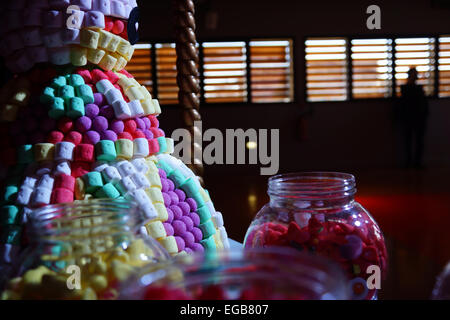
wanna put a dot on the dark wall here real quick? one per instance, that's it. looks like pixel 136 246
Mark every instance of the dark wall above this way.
pixel 338 135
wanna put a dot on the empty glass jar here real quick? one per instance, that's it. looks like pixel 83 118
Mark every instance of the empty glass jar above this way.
pixel 316 212
pixel 254 274
pixel 82 250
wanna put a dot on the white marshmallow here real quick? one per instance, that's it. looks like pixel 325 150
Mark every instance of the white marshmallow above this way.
pixel 113 95
pixel 29 182
pixel 46 181
pixel 111 174
pixel 217 219
pixel 170 146
pixel 41 196
pixel 23 196
pixel 104 86
pixel 155 103
pixel 224 237
pixel 62 167
pixel 136 108
pixel 140 165
pixel 127 185
pixel 46 168
pixel 102 5
pixel 64 150
pixel 125 168
pixel 118 9
pixel 140 181
pixel 100 166
pixel 210 207
pixel 140 147
pixel 144 203
pixel 121 109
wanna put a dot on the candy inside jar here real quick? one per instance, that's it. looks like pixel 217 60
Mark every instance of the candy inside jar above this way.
pixel 82 250
pixel 316 212
pixel 253 274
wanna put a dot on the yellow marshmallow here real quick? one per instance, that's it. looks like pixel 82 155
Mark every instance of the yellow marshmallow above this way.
pixel 133 93
pixel 156 229
pixel 157 106
pixel 162 212
pixel 78 56
pixel 145 93
pixel 113 43
pixel 105 39
pixel 154 179
pixel 89 38
pixel 124 148
pixel 155 195
pixel 95 55
pixel 170 244
pixel 79 189
pixel 148 107
pixel 108 62
pixel 43 151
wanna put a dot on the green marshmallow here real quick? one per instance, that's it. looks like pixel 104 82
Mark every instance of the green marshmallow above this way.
pixel 177 177
pixel 198 198
pixel 10 215
pixel 190 187
pixel 47 96
pixel 162 144
pixel 11 234
pixel 208 244
pixel 203 213
pixel 58 82
pixel 93 181
pixel 25 154
pixel 107 191
pixel 85 92
pixel 75 108
pixel 165 166
pixel 56 108
pixel 76 80
pixel 10 193
pixel 207 228
pixel 66 92
pixel 105 150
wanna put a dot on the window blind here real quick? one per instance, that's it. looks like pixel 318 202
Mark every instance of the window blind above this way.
pixel 271 71
pixel 141 65
pixel 326 69
pixel 444 66
pixel 166 73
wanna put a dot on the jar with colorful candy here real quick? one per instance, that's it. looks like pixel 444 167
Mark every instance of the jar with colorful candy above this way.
pixel 82 250
pixel 254 274
pixel 316 212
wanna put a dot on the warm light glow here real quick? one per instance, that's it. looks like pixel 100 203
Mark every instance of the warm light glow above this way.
pixel 251 145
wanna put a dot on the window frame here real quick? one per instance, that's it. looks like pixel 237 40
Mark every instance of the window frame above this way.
pixel 247 41
pixel 349 61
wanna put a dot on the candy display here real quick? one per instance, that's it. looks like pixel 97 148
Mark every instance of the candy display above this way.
pixel 316 212
pixel 77 127
pixel 96 238
pixel 254 274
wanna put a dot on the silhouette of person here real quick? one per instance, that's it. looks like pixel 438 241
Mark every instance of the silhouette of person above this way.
pixel 413 114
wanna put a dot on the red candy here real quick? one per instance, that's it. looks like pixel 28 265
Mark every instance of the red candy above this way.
pixel 80 169
pixel 65 124
pixel 130 126
pixel 153 146
pixel 118 27
pixel 84 153
pixel 154 122
pixel 109 24
pixel 85 74
pixel 60 195
pixel 138 134
pixel 113 77
pixel 98 75
pixel 126 73
pixel 65 181
pixel 73 136
pixel 55 137
pixel 124 135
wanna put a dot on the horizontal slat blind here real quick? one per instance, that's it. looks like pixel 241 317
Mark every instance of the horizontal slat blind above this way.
pixel 444 66
pixel 140 65
pixel 271 71
pixel 166 67
pixel 371 68
pixel 326 69
pixel 419 53
pixel 225 71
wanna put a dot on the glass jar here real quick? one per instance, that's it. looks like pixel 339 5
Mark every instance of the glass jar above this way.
pixel 316 212
pixel 82 250
pixel 441 290
pixel 254 274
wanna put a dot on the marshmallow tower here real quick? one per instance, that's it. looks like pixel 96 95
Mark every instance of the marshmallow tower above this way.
pixel 76 126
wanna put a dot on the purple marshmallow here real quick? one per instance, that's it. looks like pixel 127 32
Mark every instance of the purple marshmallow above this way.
pixel 180 243
pixel 117 126
pixel 181 195
pixel 91 110
pixel 164 185
pixel 177 213
pixel 184 207
pixel 108 135
pixel 191 202
pixel 171 185
pixel 167 199
pixel 99 99
pixel 188 238
pixel 83 124
pixel 174 197
pixel 169 215
pixel 140 123
pixel 162 174
pixel 91 137
pixel 198 235
pixel 147 122
pixel 148 134
pixel 195 218
pixel 197 247
pixel 169 229
pixel 188 222
pixel 178 227
pixel 188 250
pixel 100 124
pixel 107 112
